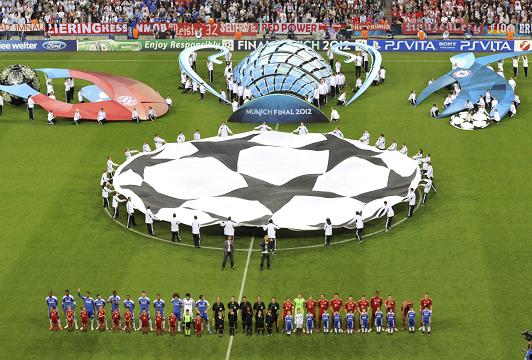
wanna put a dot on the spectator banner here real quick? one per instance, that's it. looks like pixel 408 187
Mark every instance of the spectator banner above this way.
pixel 499 29
pixel 181 29
pixel 524 29
pixel 369 26
pixel 443 45
pixel 411 28
pixel 37 45
pixel 297 28
pixel 317 45
pixel 216 29
pixel 146 45
pixel 21 28
pixel 88 29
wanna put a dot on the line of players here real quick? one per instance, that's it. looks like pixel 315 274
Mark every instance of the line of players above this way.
pixel 298 315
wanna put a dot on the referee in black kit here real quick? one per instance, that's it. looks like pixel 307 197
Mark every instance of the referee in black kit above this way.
pixel 228 252
pixel 265 253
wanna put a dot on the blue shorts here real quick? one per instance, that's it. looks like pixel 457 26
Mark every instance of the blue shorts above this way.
pixel 349 324
pixel 426 322
pixel 177 315
pixel 204 316
pixel 90 314
pixel 411 322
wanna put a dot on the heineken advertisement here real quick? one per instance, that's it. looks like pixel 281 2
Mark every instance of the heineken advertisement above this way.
pixel 147 45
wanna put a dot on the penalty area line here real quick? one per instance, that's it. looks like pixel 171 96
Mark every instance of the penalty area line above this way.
pixel 242 285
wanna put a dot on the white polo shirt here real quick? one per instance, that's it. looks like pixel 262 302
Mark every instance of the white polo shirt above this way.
pixel 195 227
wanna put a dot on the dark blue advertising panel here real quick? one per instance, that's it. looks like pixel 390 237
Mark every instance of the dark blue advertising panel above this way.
pixel 37 45
pixel 443 45
pixel 278 109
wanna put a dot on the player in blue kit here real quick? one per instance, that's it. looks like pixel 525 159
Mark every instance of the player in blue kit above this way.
pixel 69 301
pixel 411 320
pixel 390 319
pixel 289 323
pixel 364 321
pixel 51 302
pixel 349 322
pixel 114 300
pixel 426 319
pixel 337 322
pixel 90 307
pixel 379 319
pixel 144 305
pixel 158 304
pixel 177 303
pixel 310 323
pixel 100 303
pixel 325 322
pixel 202 307
pixel 130 304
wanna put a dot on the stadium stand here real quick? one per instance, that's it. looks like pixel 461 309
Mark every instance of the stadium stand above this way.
pixel 461 11
pixel 82 11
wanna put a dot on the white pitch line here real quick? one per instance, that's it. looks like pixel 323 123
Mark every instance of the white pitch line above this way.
pixel 283 249
pixel 244 276
pixel 276 126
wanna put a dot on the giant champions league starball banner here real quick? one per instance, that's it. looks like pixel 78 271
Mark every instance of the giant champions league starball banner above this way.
pixel 296 180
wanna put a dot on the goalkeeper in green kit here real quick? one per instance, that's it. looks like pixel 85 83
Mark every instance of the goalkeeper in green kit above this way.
pixel 299 303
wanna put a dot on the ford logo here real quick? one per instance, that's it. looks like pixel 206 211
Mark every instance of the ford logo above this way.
pixel 54 45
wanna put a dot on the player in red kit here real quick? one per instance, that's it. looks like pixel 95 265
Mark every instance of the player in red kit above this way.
pixel 145 322
pixel 115 317
pixel 84 315
pixel 376 303
pixel 323 305
pixel 172 322
pixel 127 320
pixel 405 307
pixel 425 301
pixel 159 323
pixel 199 324
pixel 363 303
pixel 336 305
pixel 390 304
pixel 351 307
pixel 54 320
pixel 310 306
pixel 69 314
pixel 287 306
pixel 101 318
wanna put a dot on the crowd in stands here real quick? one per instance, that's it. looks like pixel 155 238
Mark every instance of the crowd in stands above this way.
pixel 190 11
pixel 462 11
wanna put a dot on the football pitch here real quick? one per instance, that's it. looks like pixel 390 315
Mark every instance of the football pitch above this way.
pixel 469 247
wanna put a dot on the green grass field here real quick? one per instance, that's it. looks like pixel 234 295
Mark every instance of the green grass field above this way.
pixel 469 247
